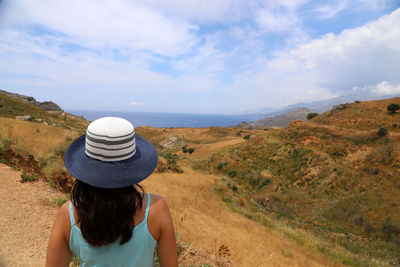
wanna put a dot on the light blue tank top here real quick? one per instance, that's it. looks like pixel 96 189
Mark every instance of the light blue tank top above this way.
pixel 138 251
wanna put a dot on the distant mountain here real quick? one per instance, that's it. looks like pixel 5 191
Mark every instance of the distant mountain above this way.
pixel 320 106
pixel 46 105
pixel 279 120
pixel 283 120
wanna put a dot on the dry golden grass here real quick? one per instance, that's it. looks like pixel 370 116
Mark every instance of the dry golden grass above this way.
pixel 209 135
pixel 366 115
pixel 206 149
pixel 36 138
pixel 201 218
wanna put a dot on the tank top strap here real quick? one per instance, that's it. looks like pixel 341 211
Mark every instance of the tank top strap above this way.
pixel 147 207
pixel 71 214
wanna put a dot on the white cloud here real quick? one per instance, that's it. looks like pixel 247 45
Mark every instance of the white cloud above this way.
pixel 204 11
pixel 136 103
pixel 224 55
pixel 272 21
pixel 382 88
pixel 331 9
pixel 327 67
pixel 360 56
pixel 102 24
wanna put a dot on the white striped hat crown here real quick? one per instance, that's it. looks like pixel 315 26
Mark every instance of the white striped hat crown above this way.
pixel 110 139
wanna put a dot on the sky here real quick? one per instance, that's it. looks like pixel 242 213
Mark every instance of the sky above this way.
pixel 198 56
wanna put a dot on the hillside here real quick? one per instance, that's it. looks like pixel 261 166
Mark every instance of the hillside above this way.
pixel 336 175
pixel 322 192
pixel 46 105
pixel 283 120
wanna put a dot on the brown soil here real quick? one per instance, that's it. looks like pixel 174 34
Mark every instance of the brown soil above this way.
pixel 27 213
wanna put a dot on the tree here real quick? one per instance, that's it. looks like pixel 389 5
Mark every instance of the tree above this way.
pixel 393 107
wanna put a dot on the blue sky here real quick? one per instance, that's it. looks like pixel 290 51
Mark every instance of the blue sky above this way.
pixel 218 57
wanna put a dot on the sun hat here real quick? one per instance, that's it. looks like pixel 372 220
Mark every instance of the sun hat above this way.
pixel 111 155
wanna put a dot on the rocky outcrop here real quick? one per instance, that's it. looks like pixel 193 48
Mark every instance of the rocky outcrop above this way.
pixel 172 143
pixel 24 118
pixel 46 105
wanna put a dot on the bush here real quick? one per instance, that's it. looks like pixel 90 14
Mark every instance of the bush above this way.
pixel 394 125
pixel 232 173
pixel 369 228
pixel 184 149
pixel 311 115
pixel 390 230
pixel 264 183
pixel 247 137
pixel 172 160
pixel 382 131
pixel 393 108
pixel 28 178
pixel 221 165
pixel 191 150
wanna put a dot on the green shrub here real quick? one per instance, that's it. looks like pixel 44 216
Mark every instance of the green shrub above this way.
pixel 393 107
pixel 264 183
pixel 221 165
pixel 184 149
pixel 394 125
pixel 172 162
pixel 234 188
pixel 191 150
pixel 390 230
pixel 6 142
pixel 311 115
pixel 369 228
pixel 247 137
pixel 61 200
pixel 28 178
pixel 232 173
pixel 382 131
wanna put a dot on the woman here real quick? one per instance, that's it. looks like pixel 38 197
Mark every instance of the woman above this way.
pixel 109 220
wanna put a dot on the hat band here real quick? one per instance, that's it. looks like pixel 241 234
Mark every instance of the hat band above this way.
pixel 107 148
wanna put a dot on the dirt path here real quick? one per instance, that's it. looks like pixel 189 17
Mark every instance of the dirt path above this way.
pixel 27 213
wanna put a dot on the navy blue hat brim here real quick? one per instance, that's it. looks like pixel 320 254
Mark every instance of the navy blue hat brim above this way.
pixel 116 174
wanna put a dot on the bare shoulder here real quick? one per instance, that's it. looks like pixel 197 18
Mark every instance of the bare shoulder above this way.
pixel 159 216
pixel 158 203
pixel 64 210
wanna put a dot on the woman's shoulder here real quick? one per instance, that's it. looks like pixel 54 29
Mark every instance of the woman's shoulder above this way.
pixel 157 203
pixel 159 216
pixel 64 209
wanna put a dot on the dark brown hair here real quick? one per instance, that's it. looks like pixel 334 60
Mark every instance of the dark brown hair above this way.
pixel 106 214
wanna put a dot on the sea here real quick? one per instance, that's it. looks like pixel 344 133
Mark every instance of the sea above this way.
pixel 168 120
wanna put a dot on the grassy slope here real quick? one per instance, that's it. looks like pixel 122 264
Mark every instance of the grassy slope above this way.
pixel 333 175
pixel 10 107
pixel 37 146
